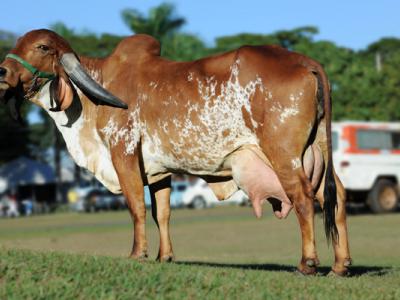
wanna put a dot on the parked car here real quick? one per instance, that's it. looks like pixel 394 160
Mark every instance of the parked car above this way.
pixel 178 190
pixel 367 160
pixel 76 195
pixel 102 199
pixel 199 195
pixel 189 192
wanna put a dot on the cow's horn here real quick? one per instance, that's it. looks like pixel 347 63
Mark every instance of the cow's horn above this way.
pixel 86 83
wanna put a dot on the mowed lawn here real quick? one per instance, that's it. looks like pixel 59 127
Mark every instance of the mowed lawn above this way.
pixel 223 252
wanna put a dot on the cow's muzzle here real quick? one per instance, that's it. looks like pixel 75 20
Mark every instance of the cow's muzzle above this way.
pixel 3 72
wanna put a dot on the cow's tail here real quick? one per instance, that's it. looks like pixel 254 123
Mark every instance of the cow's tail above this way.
pixel 330 196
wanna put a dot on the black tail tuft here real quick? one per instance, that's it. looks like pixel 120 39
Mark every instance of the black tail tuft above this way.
pixel 330 197
pixel 330 204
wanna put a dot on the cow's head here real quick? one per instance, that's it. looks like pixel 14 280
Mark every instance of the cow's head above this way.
pixel 41 57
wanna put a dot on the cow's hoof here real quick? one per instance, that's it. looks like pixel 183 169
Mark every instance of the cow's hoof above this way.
pixel 348 262
pixel 308 266
pixel 166 258
pixel 312 262
pixel 340 268
pixel 306 270
pixel 142 256
pixel 342 273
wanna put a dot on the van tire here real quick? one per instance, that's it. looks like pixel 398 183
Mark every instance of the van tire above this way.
pixel 199 202
pixel 384 197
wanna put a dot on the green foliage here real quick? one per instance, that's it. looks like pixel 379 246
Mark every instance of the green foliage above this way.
pixel 42 135
pixel 228 43
pixel 87 43
pixel 290 38
pixel 285 38
pixel 7 40
pixel 387 47
pixel 163 24
pixel 386 82
pixel 160 23
pixel 13 137
pixel 183 47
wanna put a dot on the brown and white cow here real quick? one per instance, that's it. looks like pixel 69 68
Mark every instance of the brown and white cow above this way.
pixel 257 119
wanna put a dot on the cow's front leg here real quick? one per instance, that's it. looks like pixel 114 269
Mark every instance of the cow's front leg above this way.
pixel 160 203
pixel 130 179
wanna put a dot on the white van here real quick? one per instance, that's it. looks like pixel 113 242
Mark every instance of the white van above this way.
pixel 199 195
pixel 366 156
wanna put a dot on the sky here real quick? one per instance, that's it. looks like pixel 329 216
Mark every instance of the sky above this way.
pixel 353 23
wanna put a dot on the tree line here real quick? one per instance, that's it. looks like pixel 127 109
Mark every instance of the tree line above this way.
pixel 365 83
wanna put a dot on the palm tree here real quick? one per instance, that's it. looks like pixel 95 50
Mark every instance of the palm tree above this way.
pixel 160 23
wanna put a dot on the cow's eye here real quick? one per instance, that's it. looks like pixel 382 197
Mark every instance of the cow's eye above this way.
pixel 44 48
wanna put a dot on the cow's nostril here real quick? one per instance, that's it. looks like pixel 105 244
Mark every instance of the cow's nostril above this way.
pixel 3 71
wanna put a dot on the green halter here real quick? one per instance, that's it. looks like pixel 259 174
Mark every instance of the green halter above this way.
pixel 36 73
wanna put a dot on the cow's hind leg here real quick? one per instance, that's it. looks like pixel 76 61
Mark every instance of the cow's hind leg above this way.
pixel 284 142
pixel 341 246
pixel 161 212
pixel 299 189
pixel 260 182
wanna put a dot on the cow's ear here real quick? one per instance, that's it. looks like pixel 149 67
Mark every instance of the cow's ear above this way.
pixel 61 93
pixel 61 89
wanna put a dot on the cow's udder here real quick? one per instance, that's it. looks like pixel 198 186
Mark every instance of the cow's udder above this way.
pixel 259 181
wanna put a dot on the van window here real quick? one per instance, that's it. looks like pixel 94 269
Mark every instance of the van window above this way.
pixel 181 188
pixel 335 140
pixel 378 139
pixel 396 140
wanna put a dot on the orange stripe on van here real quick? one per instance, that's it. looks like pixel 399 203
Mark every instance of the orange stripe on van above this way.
pixel 350 135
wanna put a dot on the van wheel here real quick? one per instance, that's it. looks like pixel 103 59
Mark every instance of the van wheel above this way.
pixel 199 202
pixel 383 197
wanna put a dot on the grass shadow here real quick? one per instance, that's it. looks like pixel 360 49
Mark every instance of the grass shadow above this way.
pixel 369 270
pixel 354 271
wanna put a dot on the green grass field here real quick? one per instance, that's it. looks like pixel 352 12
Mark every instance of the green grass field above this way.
pixel 221 253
